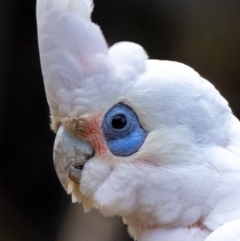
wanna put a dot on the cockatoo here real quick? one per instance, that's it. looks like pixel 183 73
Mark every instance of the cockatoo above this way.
pixel 148 140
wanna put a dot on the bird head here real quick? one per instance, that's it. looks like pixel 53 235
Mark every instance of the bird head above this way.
pixel 131 132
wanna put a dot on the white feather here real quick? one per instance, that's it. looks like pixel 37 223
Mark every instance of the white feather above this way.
pixel 229 231
pixel 183 183
pixel 73 55
pixel 46 7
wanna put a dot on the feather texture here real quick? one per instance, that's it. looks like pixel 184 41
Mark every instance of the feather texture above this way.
pixel 73 55
pixel 182 181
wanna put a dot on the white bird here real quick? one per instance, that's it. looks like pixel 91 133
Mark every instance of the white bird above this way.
pixel 148 140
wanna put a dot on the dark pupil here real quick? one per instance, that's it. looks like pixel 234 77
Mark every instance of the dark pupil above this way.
pixel 119 121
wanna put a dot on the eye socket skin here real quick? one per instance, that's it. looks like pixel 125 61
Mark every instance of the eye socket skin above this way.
pixel 122 130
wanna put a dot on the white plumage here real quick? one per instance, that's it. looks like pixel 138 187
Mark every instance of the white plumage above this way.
pixel 183 181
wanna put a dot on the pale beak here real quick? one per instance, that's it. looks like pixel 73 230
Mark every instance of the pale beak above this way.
pixel 70 154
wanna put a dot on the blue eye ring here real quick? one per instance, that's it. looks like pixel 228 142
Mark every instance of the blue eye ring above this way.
pixel 125 136
pixel 111 114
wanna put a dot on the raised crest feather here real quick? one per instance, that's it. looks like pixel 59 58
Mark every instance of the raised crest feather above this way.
pixel 83 8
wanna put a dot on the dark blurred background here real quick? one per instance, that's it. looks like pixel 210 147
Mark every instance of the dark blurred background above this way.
pixel 204 34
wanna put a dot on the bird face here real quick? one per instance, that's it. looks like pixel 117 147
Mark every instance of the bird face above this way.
pixel 87 151
pixel 113 162
pixel 132 133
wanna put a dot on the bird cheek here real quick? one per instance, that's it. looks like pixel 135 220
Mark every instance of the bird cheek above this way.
pixel 94 174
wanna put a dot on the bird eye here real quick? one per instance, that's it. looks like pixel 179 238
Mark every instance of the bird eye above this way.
pixel 123 132
pixel 119 122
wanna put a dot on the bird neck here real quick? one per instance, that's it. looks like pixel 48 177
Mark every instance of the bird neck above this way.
pixel 143 232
